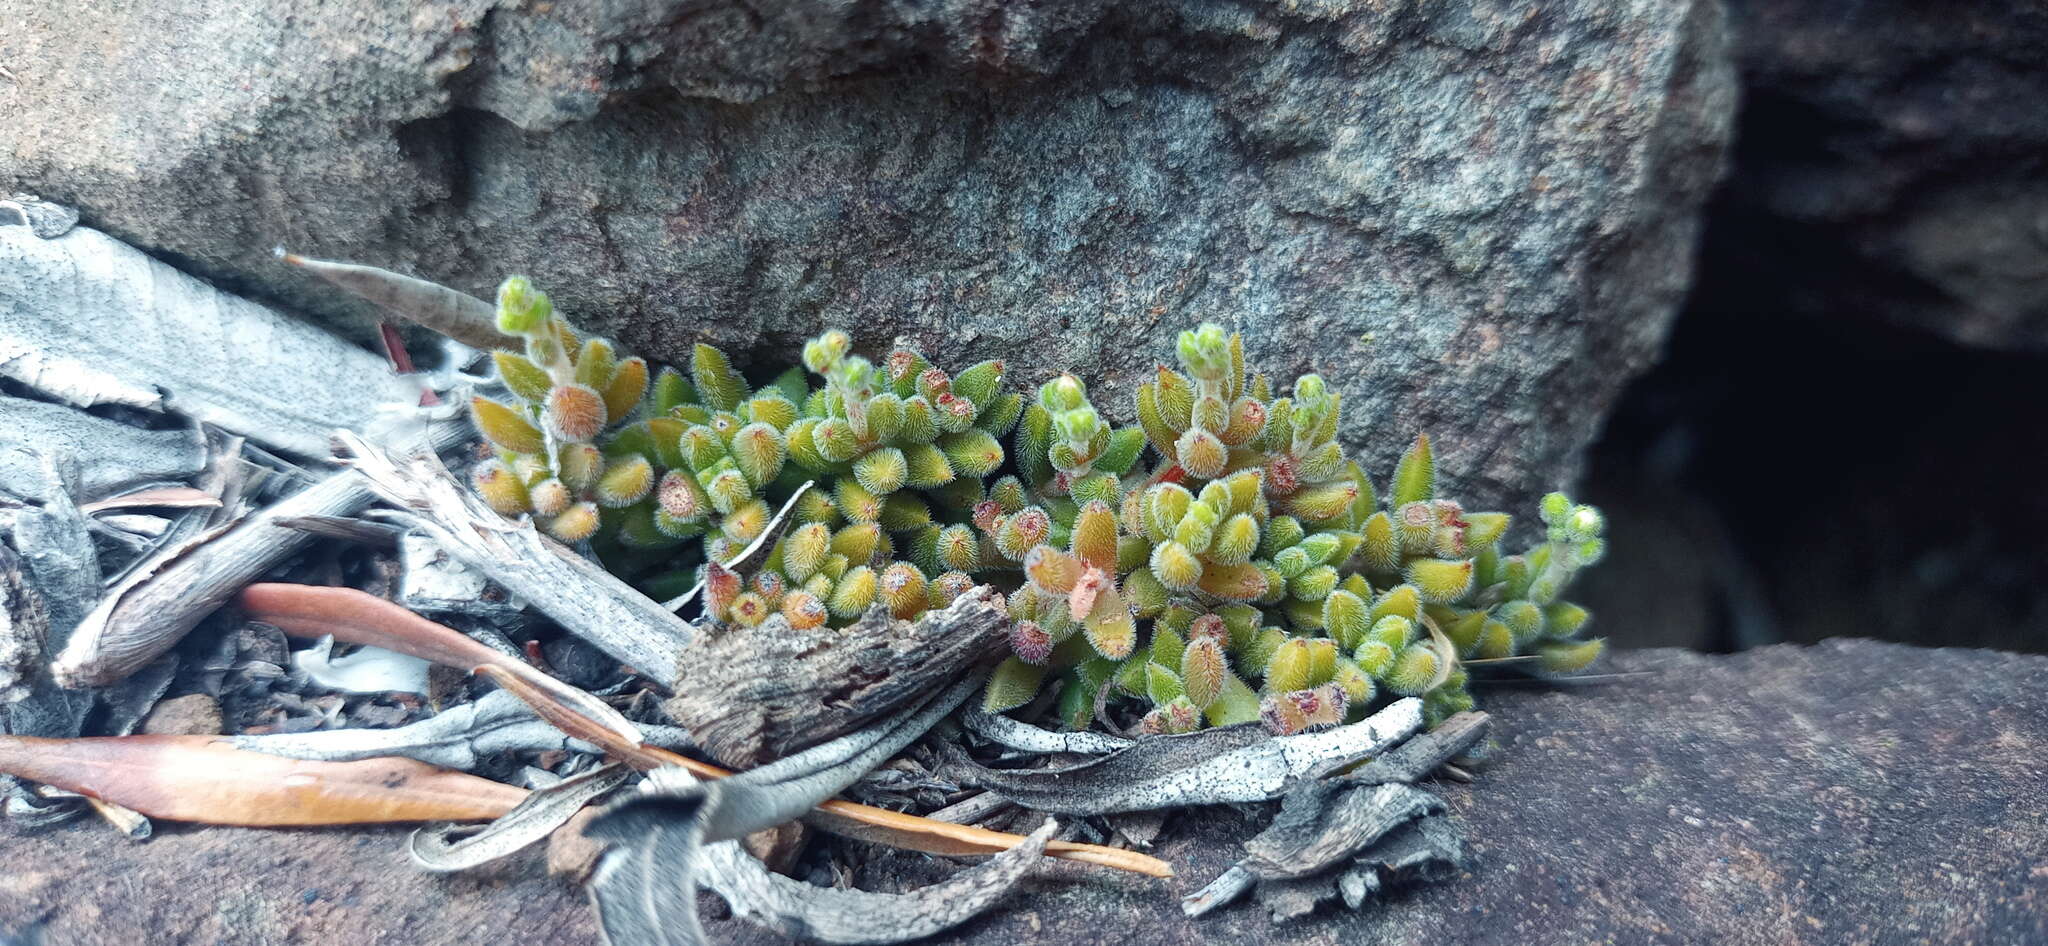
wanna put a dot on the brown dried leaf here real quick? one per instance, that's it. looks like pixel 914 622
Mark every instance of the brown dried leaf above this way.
pixel 203 779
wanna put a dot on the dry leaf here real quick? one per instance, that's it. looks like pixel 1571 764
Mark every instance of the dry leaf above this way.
pixel 203 779
pixel 91 320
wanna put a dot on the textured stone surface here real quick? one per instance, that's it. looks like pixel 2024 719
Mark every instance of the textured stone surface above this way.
pixel 1853 792
pixel 1475 216
pixel 1891 164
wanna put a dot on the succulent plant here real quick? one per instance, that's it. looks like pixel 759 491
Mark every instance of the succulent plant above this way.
pixel 1251 573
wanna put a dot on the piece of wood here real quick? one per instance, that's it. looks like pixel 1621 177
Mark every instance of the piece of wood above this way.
pixel 159 602
pixel 551 578
pixel 754 695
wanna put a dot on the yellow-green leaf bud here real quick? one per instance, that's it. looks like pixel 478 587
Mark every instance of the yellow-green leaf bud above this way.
pixel 1292 667
pixel 580 464
pixel 625 482
pixel 1314 584
pixel 1413 671
pixel 858 542
pixel 1344 617
pixel 972 452
pixel 719 386
pixel 505 427
pixel 1013 684
pixel 521 376
pixel 500 488
pixel 577 523
pixel 1569 656
pixel 959 549
pixel 853 593
pixel 902 589
pixel 1496 640
pixel 1438 579
pixel 1175 566
pixel 882 471
pixel 550 497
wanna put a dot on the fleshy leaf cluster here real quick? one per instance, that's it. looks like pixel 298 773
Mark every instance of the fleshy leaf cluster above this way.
pixel 1249 571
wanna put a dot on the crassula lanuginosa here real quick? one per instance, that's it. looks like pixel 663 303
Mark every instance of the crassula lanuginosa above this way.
pixel 1223 561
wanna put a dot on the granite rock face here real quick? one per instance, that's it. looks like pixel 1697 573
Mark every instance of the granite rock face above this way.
pixel 1475 217
pixel 1891 164
pixel 1851 792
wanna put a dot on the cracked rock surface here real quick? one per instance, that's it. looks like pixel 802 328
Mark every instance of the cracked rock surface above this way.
pixel 1850 792
pixel 1476 218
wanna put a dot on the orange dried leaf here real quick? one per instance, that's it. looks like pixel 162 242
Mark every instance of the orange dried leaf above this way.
pixel 203 779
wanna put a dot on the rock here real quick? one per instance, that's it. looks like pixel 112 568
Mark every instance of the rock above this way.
pixel 194 714
pixel 1475 218
pixel 1891 165
pixel 1848 792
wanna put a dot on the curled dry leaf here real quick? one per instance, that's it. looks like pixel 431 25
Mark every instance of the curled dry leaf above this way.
pixel 444 848
pixel 1024 737
pixel 204 779
pixel 113 457
pixel 453 739
pixel 357 617
pixel 826 915
pixel 458 315
pixel 837 816
pixel 1213 766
